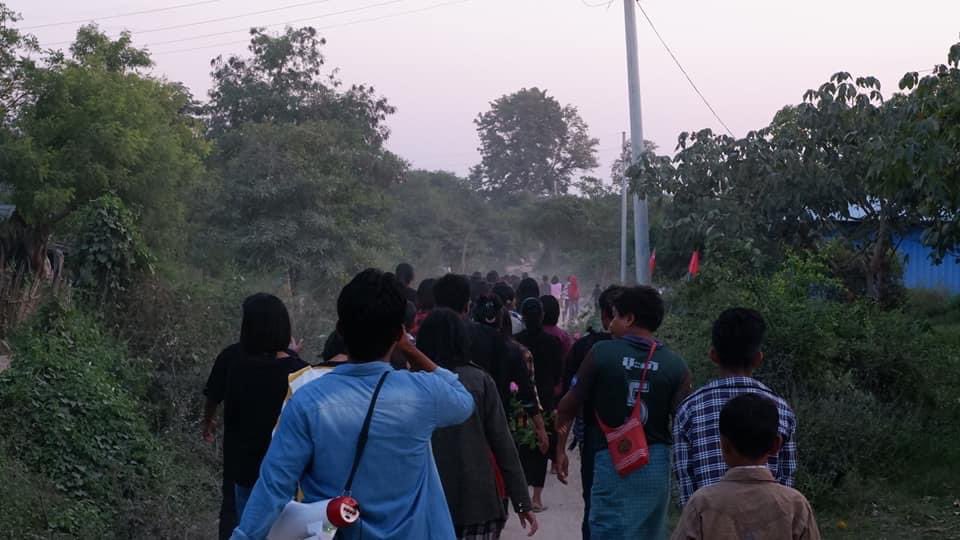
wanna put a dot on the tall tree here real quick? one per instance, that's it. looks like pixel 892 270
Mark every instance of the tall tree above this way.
pixel 301 159
pixel 530 143
pixel 94 125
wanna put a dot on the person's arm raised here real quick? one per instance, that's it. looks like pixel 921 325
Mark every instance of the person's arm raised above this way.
pixel 454 404
pixel 417 360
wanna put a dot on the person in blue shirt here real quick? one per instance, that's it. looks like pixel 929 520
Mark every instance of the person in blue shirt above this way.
pixel 397 484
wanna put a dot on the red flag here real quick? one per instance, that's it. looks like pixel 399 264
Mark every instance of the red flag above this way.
pixel 653 262
pixel 694 267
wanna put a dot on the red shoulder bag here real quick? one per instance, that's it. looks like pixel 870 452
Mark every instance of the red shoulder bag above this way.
pixel 628 442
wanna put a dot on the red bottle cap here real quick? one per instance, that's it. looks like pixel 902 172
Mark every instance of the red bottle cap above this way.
pixel 343 511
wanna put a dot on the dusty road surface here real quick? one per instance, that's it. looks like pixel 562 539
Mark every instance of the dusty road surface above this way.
pixel 561 520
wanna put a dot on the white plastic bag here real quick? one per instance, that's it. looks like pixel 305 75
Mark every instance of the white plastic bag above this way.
pixel 300 521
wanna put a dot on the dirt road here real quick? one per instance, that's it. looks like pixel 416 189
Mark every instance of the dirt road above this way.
pixel 561 520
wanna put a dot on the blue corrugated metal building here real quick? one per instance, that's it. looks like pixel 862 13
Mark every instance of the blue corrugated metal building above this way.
pixel 921 272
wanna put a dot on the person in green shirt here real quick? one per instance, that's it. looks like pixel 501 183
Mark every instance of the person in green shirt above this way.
pixel 606 386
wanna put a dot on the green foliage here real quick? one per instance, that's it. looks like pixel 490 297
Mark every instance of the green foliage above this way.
pixel 14 64
pixel 33 509
pixel 440 222
pixel 295 201
pixel 936 306
pixel 90 128
pixel 927 153
pixel 108 248
pixel 282 82
pixel 95 49
pixel 844 162
pixel 851 266
pixel 578 233
pixel 831 434
pixel 302 162
pixel 529 143
pixel 90 428
pixel 181 326
pixel 69 406
pixel 852 371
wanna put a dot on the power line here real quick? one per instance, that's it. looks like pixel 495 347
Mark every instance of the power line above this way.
pixel 232 17
pixel 684 71
pixel 328 27
pixel 216 20
pixel 285 23
pixel 129 14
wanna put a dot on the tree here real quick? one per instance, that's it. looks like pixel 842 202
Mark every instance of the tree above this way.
pixel 301 160
pixel 930 151
pixel 577 233
pixel 15 62
pixel 93 48
pixel 441 222
pixel 92 126
pixel 530 143
pixel 283 82
pixel 844 163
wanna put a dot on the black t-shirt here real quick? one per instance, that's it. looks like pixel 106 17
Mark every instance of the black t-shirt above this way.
pixel 252 389
pixel 609 381
pixel 547 364
pixel 578 352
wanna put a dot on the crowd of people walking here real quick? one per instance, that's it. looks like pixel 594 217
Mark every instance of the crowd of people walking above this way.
pixel 435 411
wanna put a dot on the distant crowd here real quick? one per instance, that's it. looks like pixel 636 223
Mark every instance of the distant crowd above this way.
pixel 433 411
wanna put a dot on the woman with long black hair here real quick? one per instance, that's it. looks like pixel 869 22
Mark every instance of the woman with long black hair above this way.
pixel 547 372
pixel 251 379
pixel 463 452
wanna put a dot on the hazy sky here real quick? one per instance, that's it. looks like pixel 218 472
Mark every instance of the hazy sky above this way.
pixel 441 66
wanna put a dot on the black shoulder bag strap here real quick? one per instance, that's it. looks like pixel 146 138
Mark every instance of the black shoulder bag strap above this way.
pixel 364 435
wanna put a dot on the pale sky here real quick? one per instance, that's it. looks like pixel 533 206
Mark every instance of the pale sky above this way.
pixel 441 62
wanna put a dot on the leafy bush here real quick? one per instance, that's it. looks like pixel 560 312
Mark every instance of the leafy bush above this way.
pixel 74 414
pixel 69 414
pixel 850 265
pixel 180 328
pixel 846 432
pixel 33 509
pixel 935 305
pixel 108 248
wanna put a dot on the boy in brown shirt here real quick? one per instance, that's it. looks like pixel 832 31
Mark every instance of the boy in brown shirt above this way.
pixel 748 503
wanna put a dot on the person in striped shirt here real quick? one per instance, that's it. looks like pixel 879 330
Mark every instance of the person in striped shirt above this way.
pixel 697 457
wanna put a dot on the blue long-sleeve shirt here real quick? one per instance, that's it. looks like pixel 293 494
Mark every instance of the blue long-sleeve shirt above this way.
pixel 397 484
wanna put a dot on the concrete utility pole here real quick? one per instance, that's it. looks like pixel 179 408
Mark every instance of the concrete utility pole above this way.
pixel 641 239
pixel 624 194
